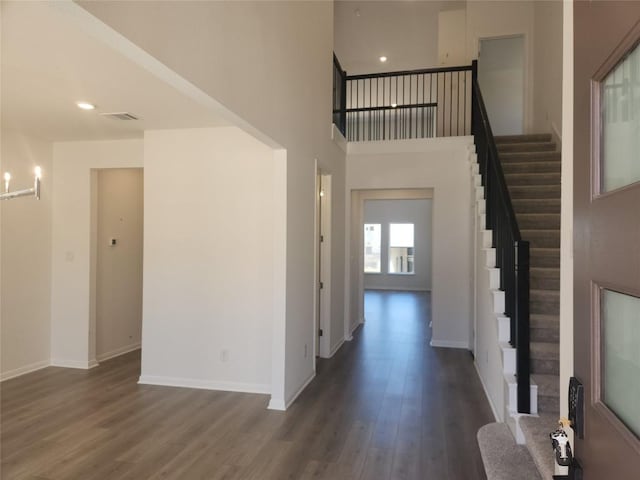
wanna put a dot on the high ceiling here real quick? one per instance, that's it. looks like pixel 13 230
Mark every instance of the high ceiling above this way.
pixel 55 54
pixel 406 32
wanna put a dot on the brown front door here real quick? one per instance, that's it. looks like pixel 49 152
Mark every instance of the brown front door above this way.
pixel 607 235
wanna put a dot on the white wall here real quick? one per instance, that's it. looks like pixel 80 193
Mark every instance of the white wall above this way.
pixel 118 296
pixel 452 35
pixel 417 212
pixel 271 64
pixel 72 277
pixel 209 265
pixel 26 258
pixel 440 164
pixel 547 114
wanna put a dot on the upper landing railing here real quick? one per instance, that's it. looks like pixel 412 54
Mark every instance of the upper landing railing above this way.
pixel 427 103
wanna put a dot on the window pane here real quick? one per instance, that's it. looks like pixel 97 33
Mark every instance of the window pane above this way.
pixel 401 235
pixel 621 357
pixel 372 240
pixel 401 248
pixel 620 112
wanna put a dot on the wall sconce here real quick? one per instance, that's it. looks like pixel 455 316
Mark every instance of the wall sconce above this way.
pixel 35 190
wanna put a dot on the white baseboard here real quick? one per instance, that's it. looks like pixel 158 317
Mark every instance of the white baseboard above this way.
pixel 276 404
pixel 80 364
pixel 118 351
pixel 398 289
pixel 17 372
pixel 449 344
pixel 280 405
pixel 336 347
pixel 204 384
pixel 486 394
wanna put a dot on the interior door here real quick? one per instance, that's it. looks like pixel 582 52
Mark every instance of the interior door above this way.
pixel 607 235
pixel 501 78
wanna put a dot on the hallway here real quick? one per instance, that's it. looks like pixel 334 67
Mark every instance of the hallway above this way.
pixel 387 405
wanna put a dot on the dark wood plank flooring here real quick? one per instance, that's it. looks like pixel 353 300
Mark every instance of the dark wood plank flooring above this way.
pixel 387 406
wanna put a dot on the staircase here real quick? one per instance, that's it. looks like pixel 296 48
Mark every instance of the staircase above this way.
pixel 531 165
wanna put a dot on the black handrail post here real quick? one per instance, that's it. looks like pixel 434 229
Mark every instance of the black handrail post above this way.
pixel 474 108
pixel 522 325
pixel 343 104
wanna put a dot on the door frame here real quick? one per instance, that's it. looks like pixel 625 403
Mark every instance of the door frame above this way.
pixel 356 315
pixel 94 358
pixel 322 265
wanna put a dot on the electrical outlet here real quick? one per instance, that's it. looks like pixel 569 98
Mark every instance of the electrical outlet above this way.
pixel 224 355
pixel 305 350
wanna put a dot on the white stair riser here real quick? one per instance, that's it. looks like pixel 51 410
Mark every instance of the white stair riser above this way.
pixel 504 328
pixel 487 238
pixel 490 257
pixel 498 301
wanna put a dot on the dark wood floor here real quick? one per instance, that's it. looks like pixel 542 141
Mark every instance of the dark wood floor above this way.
pixel 386 406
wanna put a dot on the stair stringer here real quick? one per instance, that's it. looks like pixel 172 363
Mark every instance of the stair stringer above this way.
pixel 502 322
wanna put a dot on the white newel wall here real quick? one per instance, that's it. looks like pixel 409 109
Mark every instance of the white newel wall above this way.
pixel 208 307
pixel 440 164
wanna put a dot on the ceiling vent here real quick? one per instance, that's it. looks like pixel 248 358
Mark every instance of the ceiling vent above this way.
pixel 120 115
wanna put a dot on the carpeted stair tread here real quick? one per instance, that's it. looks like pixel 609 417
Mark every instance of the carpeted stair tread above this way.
pixel 539 221
pixel 548 392
pixel 536 433
pixel 531 167
pixel 545 358
pixel 537 179
pixel 544 257
pixel 544 302
pixel 541 278
pixel 502 457
pixel 542 272
pixel 548 385
pixel 542 238
pixel 534 191
pixel 545 319
pixel 531 137
pixel 517 157
pixel 544 350
pixel 544 328
pixel 536 205
pixel 526 147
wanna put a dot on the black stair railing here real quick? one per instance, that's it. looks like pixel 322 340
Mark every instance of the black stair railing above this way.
pixel 426 103
pixel 512 253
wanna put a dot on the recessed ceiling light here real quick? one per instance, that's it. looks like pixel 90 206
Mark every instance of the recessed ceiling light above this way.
pixel 85 106
pixel 383 59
